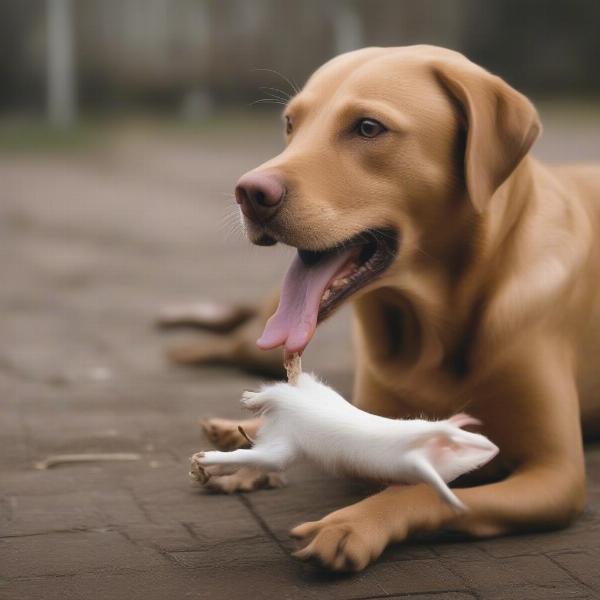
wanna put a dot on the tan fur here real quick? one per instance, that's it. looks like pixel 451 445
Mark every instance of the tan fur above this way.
pixel 492 304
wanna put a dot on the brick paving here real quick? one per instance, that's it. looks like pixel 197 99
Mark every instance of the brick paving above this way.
pixel 91 246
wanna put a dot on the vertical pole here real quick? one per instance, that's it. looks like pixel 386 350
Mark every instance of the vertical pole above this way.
pixel 348 30
pixel 60 63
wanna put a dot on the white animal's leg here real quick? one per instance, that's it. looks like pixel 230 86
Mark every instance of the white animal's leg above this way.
pixel 274 459
pixel 429 475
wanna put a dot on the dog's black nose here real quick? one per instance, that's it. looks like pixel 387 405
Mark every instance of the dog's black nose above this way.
pixel 259 194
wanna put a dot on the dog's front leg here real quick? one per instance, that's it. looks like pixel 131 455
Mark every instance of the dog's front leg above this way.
pixel 350 538
pixel 540 433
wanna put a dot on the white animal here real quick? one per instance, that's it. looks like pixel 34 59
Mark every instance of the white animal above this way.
pixel 310 420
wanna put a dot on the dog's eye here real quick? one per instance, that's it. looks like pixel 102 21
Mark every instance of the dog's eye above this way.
pixel 369 128
pixel 288 125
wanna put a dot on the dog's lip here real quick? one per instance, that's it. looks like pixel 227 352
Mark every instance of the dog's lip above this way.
pixel 318 281
pixel 376 251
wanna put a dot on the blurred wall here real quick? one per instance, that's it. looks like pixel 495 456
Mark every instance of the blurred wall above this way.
pixel 169 52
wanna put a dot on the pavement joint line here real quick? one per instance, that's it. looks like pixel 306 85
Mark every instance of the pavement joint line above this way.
pixel 421 593
pixel 101 571
pixel 214 544
pixel 566 552
pixel 7 507
pixel 142 508
pixel 262 523
pixel 57 531
pixel 188 527
pixel 571 575
pixel 446 564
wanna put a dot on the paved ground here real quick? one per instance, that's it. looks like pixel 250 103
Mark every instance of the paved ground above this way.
pixel 92 245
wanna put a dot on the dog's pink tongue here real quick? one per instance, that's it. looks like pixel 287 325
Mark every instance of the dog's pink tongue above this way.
pixel 295 319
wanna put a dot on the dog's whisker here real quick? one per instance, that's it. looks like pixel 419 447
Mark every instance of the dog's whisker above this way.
pixel 275 92
pixel 294 86
pixel 269 101
pixel 275 96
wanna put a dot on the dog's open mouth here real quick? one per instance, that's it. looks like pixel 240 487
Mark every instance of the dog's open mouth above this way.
pixel 317 282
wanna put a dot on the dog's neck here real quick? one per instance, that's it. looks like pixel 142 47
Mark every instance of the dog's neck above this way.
pixel 428 318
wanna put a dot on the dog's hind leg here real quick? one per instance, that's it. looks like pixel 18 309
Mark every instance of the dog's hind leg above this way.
pixel 236 348
pixel 225 433
pixel 209 316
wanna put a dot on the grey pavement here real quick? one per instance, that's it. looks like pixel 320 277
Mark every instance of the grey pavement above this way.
pixel 92 244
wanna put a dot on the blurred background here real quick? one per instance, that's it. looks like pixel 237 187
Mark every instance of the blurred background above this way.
pixel 124 125
pixel 191 58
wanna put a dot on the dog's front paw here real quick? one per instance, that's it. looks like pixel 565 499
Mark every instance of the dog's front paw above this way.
pixel 345 540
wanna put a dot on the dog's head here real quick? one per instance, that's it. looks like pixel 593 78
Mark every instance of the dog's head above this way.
pixel 388 150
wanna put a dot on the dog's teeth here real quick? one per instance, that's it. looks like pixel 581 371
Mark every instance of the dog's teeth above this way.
pixel 326 295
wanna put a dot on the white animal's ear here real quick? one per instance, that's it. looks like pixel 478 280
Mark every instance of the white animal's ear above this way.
pixel 501 125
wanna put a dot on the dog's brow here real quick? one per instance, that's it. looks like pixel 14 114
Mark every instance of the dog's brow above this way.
pixel 297 105
pixel 377 109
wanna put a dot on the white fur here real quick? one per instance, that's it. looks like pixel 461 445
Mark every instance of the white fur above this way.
pixel 313 421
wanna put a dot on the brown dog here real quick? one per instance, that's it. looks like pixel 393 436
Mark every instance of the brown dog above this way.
pixel 478 289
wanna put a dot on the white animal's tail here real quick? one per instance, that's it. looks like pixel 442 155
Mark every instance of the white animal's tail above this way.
pixel 432 477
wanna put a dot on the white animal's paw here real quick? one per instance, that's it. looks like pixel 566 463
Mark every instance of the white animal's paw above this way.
pixel 269 395
pixel 208 464
pixel 197 471
pixel 253 401
pixel 248 396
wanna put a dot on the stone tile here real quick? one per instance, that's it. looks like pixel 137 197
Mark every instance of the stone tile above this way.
pixel 70 510
pixel 418 576
pixel 157 584
pixel 169 537
pixel 160 584
pixel 579 535
pixel 583 566
pixel 241 553
pixel 530 577
pixel 70 553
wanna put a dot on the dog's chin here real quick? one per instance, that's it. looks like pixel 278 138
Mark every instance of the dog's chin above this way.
pixel 263 239
pixel 258 236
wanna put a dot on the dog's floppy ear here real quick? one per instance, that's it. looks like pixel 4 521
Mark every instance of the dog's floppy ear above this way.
pixel 501 126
